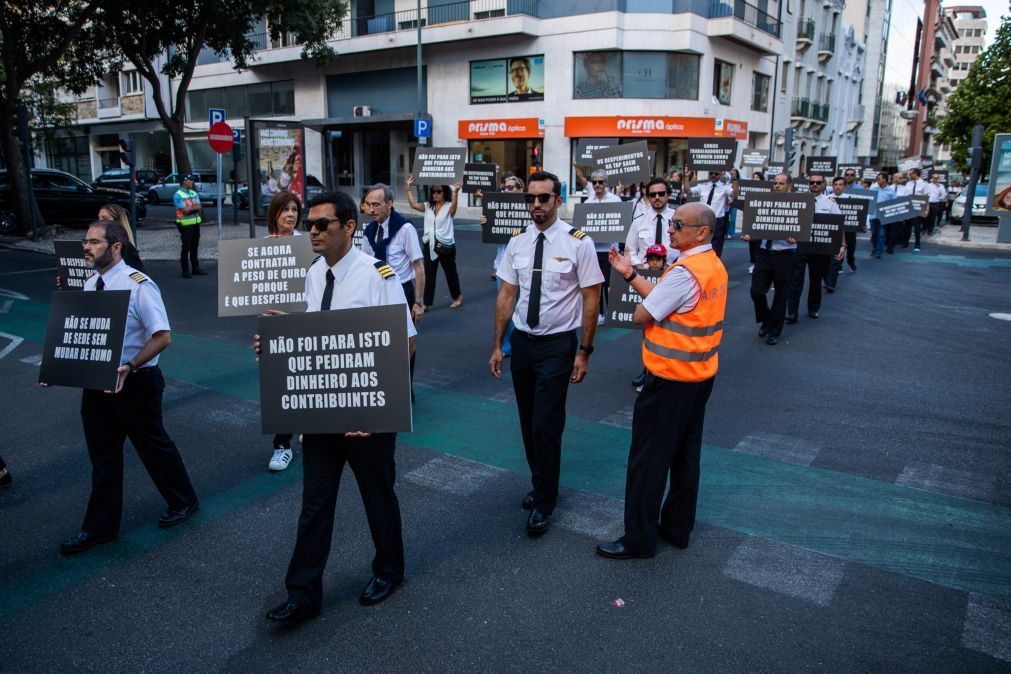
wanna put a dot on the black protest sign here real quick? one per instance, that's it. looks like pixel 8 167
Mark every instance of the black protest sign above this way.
pixel 603 222
pixel 854 210
pixel 72 271
pixel 826 235
pixel 438 165
pixel 627 163
pixel 907 163
pixel 823 166
pixel 869 196
pixel 778 215
pixel 801 187
pixel 869 173
pixel 84 339
pixel 585 148
pixel 483 177
pixel 335 371
pixel 711 154
pixel 754 158
pixel 942 175
pixel 504 212
pixel 773 170
pixel 622 299
pixel 921 202
pixel 896 210
pixel 259 274
pixel 746 187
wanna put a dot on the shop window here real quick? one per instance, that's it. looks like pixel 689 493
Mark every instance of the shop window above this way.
pixel 644 74
pixel 723 81
pixel 598 74
pixel 683 76
pixel 760 92
pixel 636 74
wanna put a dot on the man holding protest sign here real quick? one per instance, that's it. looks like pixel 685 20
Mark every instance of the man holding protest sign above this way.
pixel 719 193
pixel 683 315
pixel 815 264
pixel 133 410
pixel 550 287
pixel 650 227
pixel 602 195
pixel 342 277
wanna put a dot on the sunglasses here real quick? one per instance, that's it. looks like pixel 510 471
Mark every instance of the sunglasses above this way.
pixel 598 182
pixel 320 223
pixel 654 195
pixel 436 191
pixel 542 198
pixel 816 182
pixel 678 225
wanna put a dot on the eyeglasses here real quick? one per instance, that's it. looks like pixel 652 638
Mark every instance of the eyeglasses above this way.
pixel 436 191
pixel 816 182
pixel 320 223
pixel 92 242
pixel 542 198
pixel 509 187
pixel 655 195
pixel 598 182
pixel 678 225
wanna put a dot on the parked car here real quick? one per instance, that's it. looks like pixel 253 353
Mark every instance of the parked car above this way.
pixel 978 206
pixel 120 179
pixel 205 183
pixel 313 187
pixel 64 199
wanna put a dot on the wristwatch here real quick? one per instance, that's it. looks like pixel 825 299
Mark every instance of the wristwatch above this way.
pixel 419 303
pixel 129 364
pixel 628 279
pixel 588 349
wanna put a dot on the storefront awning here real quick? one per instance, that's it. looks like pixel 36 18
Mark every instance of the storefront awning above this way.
pixel 521 127
pixel 654 127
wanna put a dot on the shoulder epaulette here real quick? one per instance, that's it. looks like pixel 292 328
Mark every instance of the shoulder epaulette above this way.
pixel 138 277
pixel 578 233
pixel 385 270
pixel 315 260
pixel 519 230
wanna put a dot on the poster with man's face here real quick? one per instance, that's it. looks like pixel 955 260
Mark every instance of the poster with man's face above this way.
pixel 508 80
pixel 277 161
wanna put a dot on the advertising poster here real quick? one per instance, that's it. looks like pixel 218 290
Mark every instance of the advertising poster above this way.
pixel 277 162
pixel 507 80
pixel 999 203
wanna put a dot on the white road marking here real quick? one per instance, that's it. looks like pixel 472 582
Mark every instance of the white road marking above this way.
pixel 507 396
pixel 32 360
pixel 1001 317
pixel 454 475
pixel 600 517
pixel 780 448
pixel 987 627
pixel 786 569
pixel 15 343
pixel 951 481
pixel 622 418
pixel 13 294
pixel 5 308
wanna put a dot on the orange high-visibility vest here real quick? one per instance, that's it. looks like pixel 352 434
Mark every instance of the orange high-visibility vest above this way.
pixel 685 347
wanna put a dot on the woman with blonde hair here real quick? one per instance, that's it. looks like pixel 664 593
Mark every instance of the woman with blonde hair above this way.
pixel 116 213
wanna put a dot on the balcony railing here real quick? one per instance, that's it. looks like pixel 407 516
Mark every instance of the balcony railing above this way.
pixel 468 10
pixel 746 12
pixel 826 43
pixel 801 108
pixel 805 30
pixel 107 103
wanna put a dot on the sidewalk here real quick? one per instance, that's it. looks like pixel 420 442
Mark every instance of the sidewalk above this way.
pixel 981 237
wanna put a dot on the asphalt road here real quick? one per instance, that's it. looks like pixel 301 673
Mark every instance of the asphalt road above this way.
pixel 855 508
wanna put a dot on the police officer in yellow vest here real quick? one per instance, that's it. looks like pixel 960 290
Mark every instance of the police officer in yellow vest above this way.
pixel 188 211
pixel 683 315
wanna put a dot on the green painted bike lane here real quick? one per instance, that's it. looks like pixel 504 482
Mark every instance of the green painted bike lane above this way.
pixel 954 542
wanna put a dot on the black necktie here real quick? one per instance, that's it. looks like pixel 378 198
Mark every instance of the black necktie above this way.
pixel 379 233
pixel 101 283
pixel 768 244
pixel 659 228
pixel 534 303
pixel 327 292
pixel 712 191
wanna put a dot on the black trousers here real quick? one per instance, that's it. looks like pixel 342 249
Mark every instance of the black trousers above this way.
pixel 816 268
pixel 190 236
pixel 934 216
pixel 832 279
pixel 666 440
pixel 895 234
pixel 411 296
pixel 772 269
pixel 605 269
pixel 448 262
pixel 909 228
pixel 541 368
pixel 372 461
pixel 753 247
pixel 719 234
pixel 135 413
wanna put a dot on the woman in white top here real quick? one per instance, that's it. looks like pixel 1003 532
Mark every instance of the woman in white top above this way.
pixel 437 241
pixel 284 215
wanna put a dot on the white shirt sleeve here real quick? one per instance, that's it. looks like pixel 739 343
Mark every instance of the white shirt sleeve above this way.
pixel 505 265
pixel 151 308
pixel 412 248
pixel 366 246
pixel 588 268
pixel 678 291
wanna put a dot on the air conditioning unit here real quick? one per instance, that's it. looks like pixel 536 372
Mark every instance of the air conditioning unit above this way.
pixel 363 111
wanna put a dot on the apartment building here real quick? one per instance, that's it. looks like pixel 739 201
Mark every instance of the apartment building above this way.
pixel 870 19
pixel 969 22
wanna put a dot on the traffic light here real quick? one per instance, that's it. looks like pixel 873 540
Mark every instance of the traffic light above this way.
pixel 126 152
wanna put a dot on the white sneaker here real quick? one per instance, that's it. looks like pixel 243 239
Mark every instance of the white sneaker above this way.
pixel 751 268
pixel 281 459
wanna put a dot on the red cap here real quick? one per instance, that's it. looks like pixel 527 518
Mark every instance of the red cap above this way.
pixel 657 249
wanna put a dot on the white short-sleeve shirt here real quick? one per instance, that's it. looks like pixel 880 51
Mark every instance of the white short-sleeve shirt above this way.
pixel 677 292
pixel 569 264
pixel 401 252
pixel 722 195
pixel 146 314
pixel 642 235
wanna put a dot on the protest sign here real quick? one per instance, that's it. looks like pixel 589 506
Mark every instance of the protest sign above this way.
pixel 908 163
pixel 921 203
pixel 84 339
pixel 826 235
pixel 711 154
pixel 942 175
pixel 438 165
pixel 869 173
pixel 259 274
pixel 778 215
pixel 754 158
pixel 870 196
pixel 483 177
pixel 627 163
pixel 603 222
pixel 622 299
pixel 854 210
pixel 823 166
pixel 72 271
pixel 335 371
pixel 896 210
pixel 504 212
pixel 746 187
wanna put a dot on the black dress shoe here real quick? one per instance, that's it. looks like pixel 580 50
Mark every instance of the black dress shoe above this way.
pixel 199 272
pixel 377 590
pixel 812 314
pixel 84 541
pixel 617 550
pixel 772 340
pixel 829 290
pixel 537 523
pixel 292 613
pixel 528 501
pixel 790 320
pixel 763 331
pixel 173 517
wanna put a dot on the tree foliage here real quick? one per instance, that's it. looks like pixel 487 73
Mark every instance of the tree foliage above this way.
pixel 161 37
pixel 983 98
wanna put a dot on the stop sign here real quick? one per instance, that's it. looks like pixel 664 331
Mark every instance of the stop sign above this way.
pixel 220 137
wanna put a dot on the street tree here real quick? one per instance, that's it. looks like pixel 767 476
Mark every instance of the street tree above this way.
pixel 161 37
pixel 981 98
pixel 44 46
